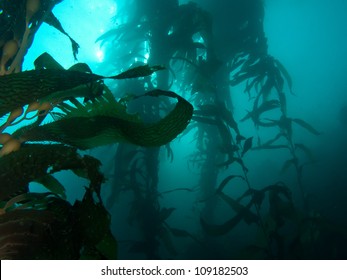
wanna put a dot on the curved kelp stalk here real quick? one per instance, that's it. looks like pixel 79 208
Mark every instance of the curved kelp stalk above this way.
pixel 106 121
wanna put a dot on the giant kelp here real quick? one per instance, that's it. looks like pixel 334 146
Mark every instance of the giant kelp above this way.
pixel 34 162
pixel 55 229
pixel 45 225
pixel 25 87
pixel 19 21
pixel 99 121
pixel 209 52
pixel 102 123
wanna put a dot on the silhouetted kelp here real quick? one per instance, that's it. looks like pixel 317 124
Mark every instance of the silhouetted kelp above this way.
pixel 210 53
pixel 19 21
pixel 98 122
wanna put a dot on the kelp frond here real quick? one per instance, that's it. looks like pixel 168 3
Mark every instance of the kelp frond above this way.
pixel 105 105
pixel 106 121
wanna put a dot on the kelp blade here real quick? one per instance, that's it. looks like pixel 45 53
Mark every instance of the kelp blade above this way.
pixel 103 124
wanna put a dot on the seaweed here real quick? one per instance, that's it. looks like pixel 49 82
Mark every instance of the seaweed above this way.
pixel 83 229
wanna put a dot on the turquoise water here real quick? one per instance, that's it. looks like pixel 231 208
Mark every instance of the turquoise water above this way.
pixel 309 38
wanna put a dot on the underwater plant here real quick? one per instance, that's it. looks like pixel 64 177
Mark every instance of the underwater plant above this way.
pixel 19 21
pixel 99 121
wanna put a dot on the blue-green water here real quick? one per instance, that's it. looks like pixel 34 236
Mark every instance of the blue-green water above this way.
pixel 309 38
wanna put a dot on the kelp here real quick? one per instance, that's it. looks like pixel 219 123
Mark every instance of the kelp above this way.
pixel 36 234
pixel 45 225
pixel 56 230
pixel 106 121
pixel 19 89
pixel 19 21
pixel 275 192
pixel 35 161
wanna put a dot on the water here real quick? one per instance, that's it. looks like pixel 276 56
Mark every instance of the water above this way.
pixel 162 210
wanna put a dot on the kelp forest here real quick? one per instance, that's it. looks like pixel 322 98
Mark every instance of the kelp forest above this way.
pixel 183 142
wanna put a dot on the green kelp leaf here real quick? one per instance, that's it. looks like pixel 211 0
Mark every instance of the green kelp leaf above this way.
pixel 46 61
pixel 20 89
pixel 52 184
pixel 138 71
pixel 247 146
pixel 307 126
pixel 249 217
pixel 105 121
pixel 226 181
pixel 216 230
